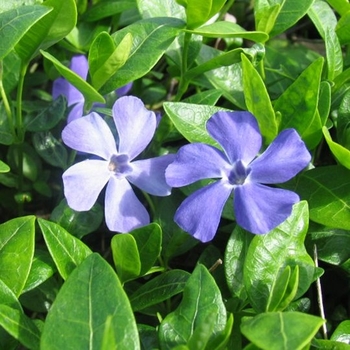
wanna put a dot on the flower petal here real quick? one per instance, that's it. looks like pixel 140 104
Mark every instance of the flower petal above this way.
pixel 135 125
pixel 123 211
pixel 259 208
pixel 199 214
pixel 282 160
pixel 80 65
pixel 76 112
pixel 83 182
pixel 149 175
pixel 195 162
pixel 90 134
pixel 238 134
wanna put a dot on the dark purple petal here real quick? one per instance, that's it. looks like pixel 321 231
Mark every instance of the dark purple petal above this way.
pixel 135 125
pixel 282 160
pixel 259 208
pixel 123 211
pixel 199 214
pixel 83 182
pixel 195 162
pixel 90 134
pixel 149 175
pixel 76 112
pixel 238 134
pixel 122 91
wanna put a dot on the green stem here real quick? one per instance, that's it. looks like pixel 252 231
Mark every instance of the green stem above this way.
pixel 184 66
pixel 150 203
pixel 19 115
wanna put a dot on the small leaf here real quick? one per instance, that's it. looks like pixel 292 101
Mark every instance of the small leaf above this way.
pixel 201 299
pixel 126 256
pixel 159 289
pixel 16 251
pixel 107 8
pixel 4 168
pixel 282 331
pixel 90 300
pixel 66 250
pixel 342 332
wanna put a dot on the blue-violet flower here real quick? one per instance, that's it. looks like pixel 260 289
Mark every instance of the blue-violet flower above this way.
pixel 116 165
pixel 75 99
pixel 258 208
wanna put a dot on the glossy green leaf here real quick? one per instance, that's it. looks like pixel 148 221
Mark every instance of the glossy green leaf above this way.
pixel 265 15
pixel 15 23
pixel 342 332
pixel 298 104
pixel 108 341
pixel 268 256
pixel 151 38
pixel 90 94
pixel 126 256
pixel 79 223
pixel 329 202
pixel 225 29
pixel 67 251
pixel 16 251
pixel 341 153
pixel 160 8
pixel 158 289
pixel 281 331
pixel 4 168
pixel 190 120
pixel 107 8
pixel 341 6
pixel 258 101
pixel 105 58
pixel 49 30
pixel 149 244
pixel 343 28
pixel 201 299
pixel 235 254
pixel 329 345
pixel 89 297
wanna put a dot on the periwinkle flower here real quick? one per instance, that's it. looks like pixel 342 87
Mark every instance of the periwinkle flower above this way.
pixel 258 208
pixel 116 165
pixel 75 99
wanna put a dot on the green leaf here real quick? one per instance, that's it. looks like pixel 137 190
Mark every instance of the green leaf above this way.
pixel 341 153
pixel 108 8
pixel 281 331
pixel 329 202
pixel 160 8
pixel 80 314
pixel 4 168
pixel 343 28
pixel 66 250
pixel 190 120
pixel 158 289
pixel 269 255
pixel 265 15
pixel 201 299
pixel 329 345
pixel 341 6
pixel 225 29
pixel 235 254
pixel 16 251
pixel 126 256
pixel 258 101
pixel 342 332
pixel 151 38
pixel 105 59
pixel 149 244
pixel 90 94
pixel 80 223
pixel 15 23
pixel 49 30
pixel 298 105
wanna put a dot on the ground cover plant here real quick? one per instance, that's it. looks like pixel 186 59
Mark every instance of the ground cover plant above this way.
pixel 174 174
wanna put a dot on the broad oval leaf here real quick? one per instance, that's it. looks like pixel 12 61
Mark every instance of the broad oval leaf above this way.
pixel 201 298
pixel 107 8
pixel 16 252
pixel 91 297
pixel 281 331
pixel 66 250
pixel 268 256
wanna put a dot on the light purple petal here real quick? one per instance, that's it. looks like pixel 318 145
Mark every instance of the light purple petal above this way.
pixel 282 160
pixel 123 210
pixel 259 208
pixel 83 182
pixel 76 112
pixel 195 162
pixel 122 91
pixel 199 214
pixel 90 134
pixel 79 64
pixel 149 175
pixel 238 134
pixel 135 125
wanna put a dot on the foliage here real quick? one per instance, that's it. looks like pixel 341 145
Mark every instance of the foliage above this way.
pixel 68 282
